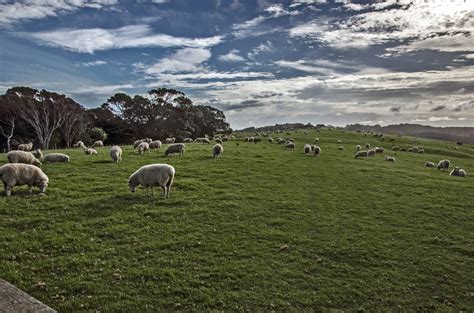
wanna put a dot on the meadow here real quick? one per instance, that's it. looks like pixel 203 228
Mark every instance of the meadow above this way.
pixel 361 234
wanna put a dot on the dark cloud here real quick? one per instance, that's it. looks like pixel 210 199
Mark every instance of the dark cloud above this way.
pixel 264 95
pixel 242 105
pixel 464 106
pixel 395 109
pixel 438 108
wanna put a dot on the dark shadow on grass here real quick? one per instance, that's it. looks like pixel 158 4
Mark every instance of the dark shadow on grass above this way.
pixel 103 162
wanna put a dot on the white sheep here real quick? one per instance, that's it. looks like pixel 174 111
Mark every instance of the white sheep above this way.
pixel 458 172
pixel 290 145
pixel 56 157
pixel 358 147
pixel 429 164
pixel 443 164
pixel 270 140
pixel 98 143
pixel 18 156
pixel 154 145
pixel 367 145
pixel 136 143
pixel 340 148
pixel 25 146
pixel 360 154
pixel 421 151
pixel 217 150
pixel 370 152
pixel 379 150
pixel 339 141
pixel 188 140
pixel 316 150
pixel 90 151
pixel 389 158
pixel 219 141
pixel 170 140
pixel 307 148
pixel 203 140
pixel 153 175
pixel 18 174
pixel 175 148
pixel 116 154
pixel 79 144
pixel 316 140
pixel 143 147
pixel 37 154
pixel 149 140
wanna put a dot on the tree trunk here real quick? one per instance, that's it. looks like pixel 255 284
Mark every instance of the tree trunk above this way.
pixel 9 136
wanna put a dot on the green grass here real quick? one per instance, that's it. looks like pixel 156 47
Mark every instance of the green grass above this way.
pixel 362 234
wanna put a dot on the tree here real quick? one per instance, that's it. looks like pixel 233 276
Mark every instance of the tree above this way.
pixel 97 133
pixel 8 119
pixel 75 124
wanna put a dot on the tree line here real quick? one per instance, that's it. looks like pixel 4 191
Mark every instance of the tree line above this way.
pixel 49 119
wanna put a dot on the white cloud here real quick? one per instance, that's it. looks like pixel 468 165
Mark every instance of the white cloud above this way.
pixel 262 47
pixel 232 56
pixel 184 60
pixel 102 90
pixel 38 9
pixel 98 39
pixel 92 63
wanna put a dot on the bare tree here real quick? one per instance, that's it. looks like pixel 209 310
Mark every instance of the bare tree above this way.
pixel 75 124
pixel 8 117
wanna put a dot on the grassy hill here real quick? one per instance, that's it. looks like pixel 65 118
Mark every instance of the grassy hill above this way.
pixel 362 234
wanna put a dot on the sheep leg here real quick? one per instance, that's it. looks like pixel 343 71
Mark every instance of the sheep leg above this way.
pixel 152 191
pixel 30 189
pixel 8 190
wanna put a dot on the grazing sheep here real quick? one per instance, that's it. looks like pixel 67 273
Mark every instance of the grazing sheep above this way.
pixel 153 175
pixel 188 140
pixel 389 158
pixel 90 151
pixel 367 145
pixel 421 151
pixel 148 140
pixel 203 140
pixel 339 141
pixel 18 156
pixel 26 146
pixel 341 148
pixel 170 140
pixel 358 147
pixel 270 140
pixel 281 141
pixel 56 158
pixel 307 148
pixel 429 164
pixel 403 149
pixel 316 150
pixel 116 154
pixel 98 143
pixel 136 143
pixel 316 140
pixel 217 150
pixel 18 174
pixel 360 154
pixel 458 172
pixel 37 154
pixel 370 152
pixel 143 147
pixel 251 139
pixel 154 145
pixel 175 148
pixel 410 150
pixel 379 150
pixel 290 145
pixel 395 148
pixel 415 149
pixel 219 141
pixel 443 164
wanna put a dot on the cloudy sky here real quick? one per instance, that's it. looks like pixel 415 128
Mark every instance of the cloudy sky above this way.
pixel 261 61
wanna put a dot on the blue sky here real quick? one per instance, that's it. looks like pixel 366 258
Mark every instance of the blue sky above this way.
pixel 261 62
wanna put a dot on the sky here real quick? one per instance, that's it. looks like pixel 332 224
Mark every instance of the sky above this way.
pixel 262 62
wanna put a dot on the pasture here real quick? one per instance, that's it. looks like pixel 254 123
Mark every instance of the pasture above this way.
pixel 362 234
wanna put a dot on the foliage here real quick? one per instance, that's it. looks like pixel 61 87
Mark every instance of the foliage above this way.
pixel 97 133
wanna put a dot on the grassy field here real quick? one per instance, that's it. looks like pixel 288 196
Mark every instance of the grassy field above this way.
pixel 362 234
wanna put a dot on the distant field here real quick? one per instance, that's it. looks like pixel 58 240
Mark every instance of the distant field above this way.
pixel 362 234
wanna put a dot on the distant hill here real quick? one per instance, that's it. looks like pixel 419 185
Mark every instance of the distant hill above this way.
pixel 463 134
pixel 287 126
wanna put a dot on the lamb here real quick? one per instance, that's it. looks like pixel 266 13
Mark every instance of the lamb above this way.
pixel 187 140
pixel 219 141
pixel 429 164
pixel 389 158
pixel 116 154
pixel 370 152
pixel 217 150
pixel 22 157
pixel 153 175
pixel 136 143
pixel 358 147
pixel 307 149
pixel 154 145
pixel 170 140
pixel 56 157
pixel 175 148
pixel 37 154
pixel 290 145
pixel 90 151
pixel 458 172
pixel 26 146
pixel 79 144
pixel 443 164
pixel 18 174
pixel 379 150
pixel 341 148
pixel 361 154
pixel 143 147
pixel 98 143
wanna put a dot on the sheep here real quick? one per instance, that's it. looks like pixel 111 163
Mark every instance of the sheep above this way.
pixel 149 140
pixel 341 148
pixel 170 140
pixel 188 140
pixel 56 157
pixel 153 175
pixel 307 149
pixel 281 141
pixel 98 143
pixel 458 172
pixel 219 141
pixel 154 145
pixel 251 139
pixel 22 157
pixel 203 140
pixel 25 146
pixel 38 154
pixel 395 148
pixel 270 140
pixel 367 145
pixel 389 158
pixel 316 150
pixel 290 145
pixel 415 149
pixel 18 174
pixel 403 149
pixel 90 151
pixel 391 139
pixel 429 164
pixel 339 141
pixel 421 151
pixel 361 154
pixel 217 150
pixel 79 144
pixel 358 147
pixel 410 150
pixel 175 148
pixel 116 154
pixel 379 150
pixel 143 147
pixel 370 152
pixel 443 164
pixel 136 143
pixel 316 140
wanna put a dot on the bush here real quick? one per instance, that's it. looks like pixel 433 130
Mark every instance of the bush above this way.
pixel 97 133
